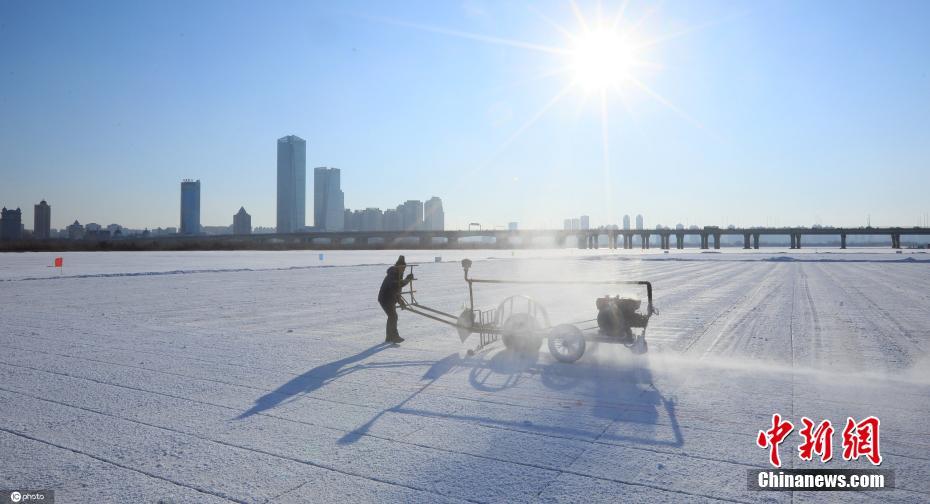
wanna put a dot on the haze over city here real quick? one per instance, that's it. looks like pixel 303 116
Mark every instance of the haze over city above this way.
pixel 763 113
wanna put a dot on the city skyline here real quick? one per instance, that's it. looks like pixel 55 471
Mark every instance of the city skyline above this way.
pixel 408 100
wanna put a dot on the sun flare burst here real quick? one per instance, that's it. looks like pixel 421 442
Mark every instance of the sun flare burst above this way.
pixel 601 60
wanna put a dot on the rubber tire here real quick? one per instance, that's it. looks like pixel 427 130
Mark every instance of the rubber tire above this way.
pixel 566 336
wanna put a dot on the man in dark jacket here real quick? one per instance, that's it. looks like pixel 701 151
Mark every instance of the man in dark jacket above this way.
pixel 389 297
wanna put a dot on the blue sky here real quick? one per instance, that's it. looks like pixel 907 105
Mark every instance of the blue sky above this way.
pixel 780 113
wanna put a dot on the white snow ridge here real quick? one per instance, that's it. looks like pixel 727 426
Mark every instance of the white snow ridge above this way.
pixel 261 377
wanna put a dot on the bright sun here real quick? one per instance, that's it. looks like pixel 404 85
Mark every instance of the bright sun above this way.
pixel 601 60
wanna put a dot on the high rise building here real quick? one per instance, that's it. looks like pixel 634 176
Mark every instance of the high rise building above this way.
pixel 347 224
pixel 352 220
pixel 42 221
pixel 75 231
pixel 433 216
pixel 372 219
pixel 328 200
pixel 242 222
pixel 512 226
pixel 626 222
pixel 411 213
pixel 567 225
pixel 292 184
pixel 576 224
pixel 392 220
pixel 639 222
pixel 585 222
pixel 190 207
pixel 11 224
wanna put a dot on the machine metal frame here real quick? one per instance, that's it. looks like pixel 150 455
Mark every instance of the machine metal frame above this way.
pixel 492 324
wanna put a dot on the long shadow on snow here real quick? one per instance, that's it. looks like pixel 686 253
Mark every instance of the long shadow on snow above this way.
pixel 432 374
pixel 621 393
pixel 319 376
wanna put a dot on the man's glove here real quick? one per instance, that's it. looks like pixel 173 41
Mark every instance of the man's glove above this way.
pixel 409 277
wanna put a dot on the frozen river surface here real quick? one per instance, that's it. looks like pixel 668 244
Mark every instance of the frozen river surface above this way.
pixel 260 377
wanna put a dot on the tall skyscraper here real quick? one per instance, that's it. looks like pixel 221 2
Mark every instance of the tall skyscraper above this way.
pixel 585 222
pixel 292 184
pixel 11 224
pixel 626 222
pixel 42 221
pixel 567 225
pixel 639 221
pixel 328 200
pixel 411 213
pixel 190 207
pixel 434 219
pixel 242 222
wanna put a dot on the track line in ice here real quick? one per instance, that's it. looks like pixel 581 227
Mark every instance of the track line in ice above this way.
pixel 121 466
pixel 350 473
pixel 218 442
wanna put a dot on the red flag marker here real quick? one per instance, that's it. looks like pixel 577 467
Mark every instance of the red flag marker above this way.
pixel 59 262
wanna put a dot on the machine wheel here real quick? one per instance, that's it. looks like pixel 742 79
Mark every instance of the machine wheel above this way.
pixel 566 343
pixel 520 333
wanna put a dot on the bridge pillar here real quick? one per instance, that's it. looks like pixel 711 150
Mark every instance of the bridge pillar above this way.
pixel 666 241
pixel 581 242
pixel 895 241
pixel 792 242
pixel 746 240
pixel 842 241
pixel 704 240
pixel 755 241
pixel 716 240
pixel 798 240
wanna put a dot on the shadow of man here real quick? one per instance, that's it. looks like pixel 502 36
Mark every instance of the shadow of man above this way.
pixel 309 381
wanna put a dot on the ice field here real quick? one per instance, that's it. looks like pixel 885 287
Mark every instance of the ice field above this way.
pixel 261 377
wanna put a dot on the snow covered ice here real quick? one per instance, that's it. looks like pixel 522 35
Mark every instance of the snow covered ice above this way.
pixel 259 376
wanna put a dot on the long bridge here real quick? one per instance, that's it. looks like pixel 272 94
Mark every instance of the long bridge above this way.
pixel 710 237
